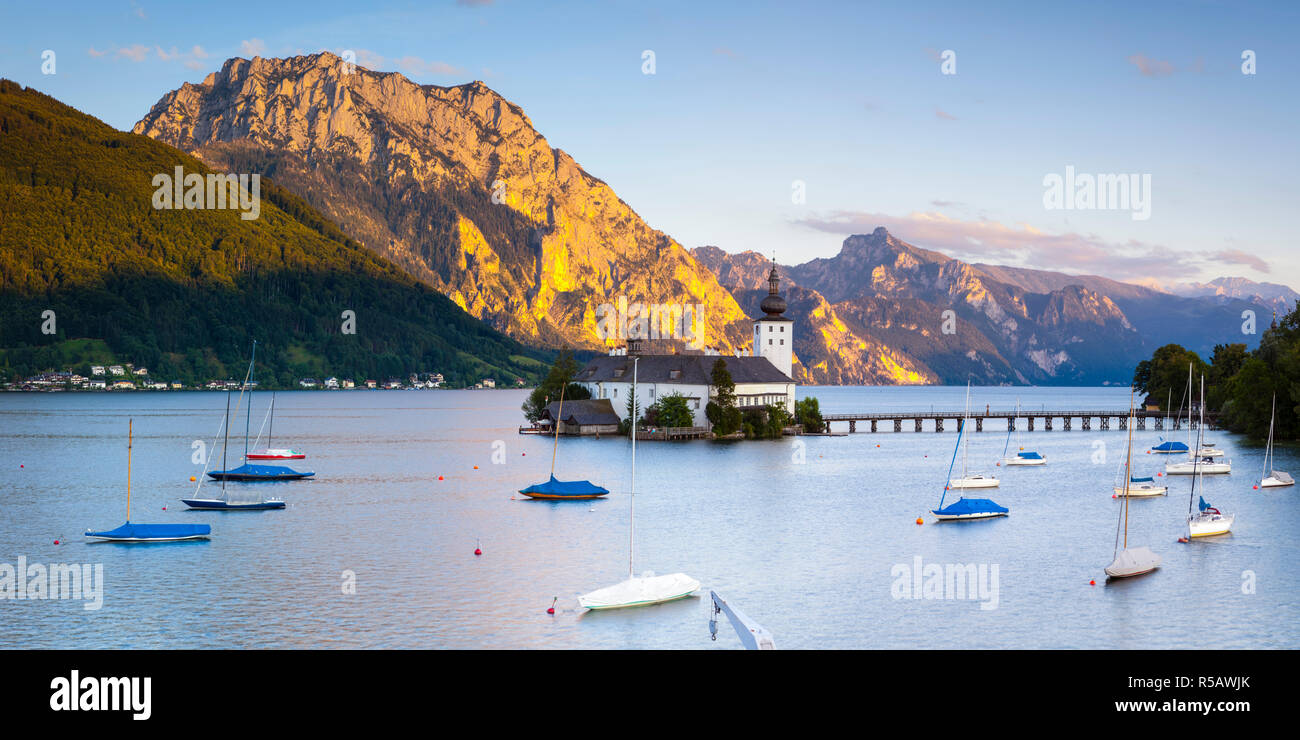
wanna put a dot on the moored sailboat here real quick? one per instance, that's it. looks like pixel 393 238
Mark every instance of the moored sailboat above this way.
pixel 563 490
pixel 1206 521
pixel 248 472
pixel 966 508
pixel 1129 561
pixel 647 588
pixel 244 499
pixel 129 532
pixel 1022 457
pixel 1273 478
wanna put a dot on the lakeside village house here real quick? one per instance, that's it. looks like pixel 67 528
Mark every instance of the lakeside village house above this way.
pixel 762 376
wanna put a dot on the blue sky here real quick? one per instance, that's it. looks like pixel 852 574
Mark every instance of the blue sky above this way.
pixel 848 98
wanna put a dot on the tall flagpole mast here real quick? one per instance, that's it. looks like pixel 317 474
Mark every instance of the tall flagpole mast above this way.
pixel 631 530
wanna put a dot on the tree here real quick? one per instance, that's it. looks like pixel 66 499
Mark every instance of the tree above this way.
pixel 721 411
pixel 548 391
pixel 1164 376
pixel 808 414
pixel 670 410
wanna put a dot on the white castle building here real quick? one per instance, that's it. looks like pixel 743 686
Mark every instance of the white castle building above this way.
pixel 762 376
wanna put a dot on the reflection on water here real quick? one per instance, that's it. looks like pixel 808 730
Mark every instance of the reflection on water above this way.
pixel 806 549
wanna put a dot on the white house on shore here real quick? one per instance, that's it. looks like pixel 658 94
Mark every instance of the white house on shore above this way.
pixel 762 376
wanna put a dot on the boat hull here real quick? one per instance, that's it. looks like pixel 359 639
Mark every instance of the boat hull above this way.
pixel 1274 482
pixel 254 456
pixel 1023 461
pixel 1139 492
pixel 1210 526
pixel 152 533
pixel 977 515
pixel 640 591
pixel 973 483
pixel 203 504
pixel 1132 562
pixel 564 497
pixel 1204 468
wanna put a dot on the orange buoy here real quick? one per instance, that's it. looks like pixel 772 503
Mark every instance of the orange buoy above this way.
pixel 919 521
pixel 440 477
pixel 476 467
pixel 191 479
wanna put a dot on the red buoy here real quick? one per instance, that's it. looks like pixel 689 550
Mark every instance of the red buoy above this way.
pixel 1092 583
pixel 56 542
pixel 1183 539
pixel 440 477
pixel 551 609
pixel 1256 488
pixel 478 549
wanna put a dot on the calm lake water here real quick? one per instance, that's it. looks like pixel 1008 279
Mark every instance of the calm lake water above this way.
pixel 805 548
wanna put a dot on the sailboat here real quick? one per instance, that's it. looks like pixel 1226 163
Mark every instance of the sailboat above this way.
pixel 1273 478
pixel 1130 561
pixel 969 480
pixel 1203 462
pixel 647 588
pixel 965 508
pixel 563 490
pixel 1021 457
pixel 269 452
pixel 129 532
pixel 244 499
pixel 1207 521
pixel 248 472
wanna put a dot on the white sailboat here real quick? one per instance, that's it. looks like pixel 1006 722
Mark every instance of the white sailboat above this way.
pixel 967 479
pixel 647 588
pixel 1273 478
pixel 1203 461
pixel 1021 457
pixel 1130 561
pixel 1207 521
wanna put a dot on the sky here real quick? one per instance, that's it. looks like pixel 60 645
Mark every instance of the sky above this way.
pixel 785 127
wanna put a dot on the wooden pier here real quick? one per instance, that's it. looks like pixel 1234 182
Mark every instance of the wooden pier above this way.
pixel 1046 420
pixel 670 433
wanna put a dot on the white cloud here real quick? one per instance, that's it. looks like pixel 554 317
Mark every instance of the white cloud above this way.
pixel 95 52
pixel 252 47
pixel 135 52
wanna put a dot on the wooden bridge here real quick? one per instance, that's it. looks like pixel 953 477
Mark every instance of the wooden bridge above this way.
pixel 1106 420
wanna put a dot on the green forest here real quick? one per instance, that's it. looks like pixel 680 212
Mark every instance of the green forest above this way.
pixel 185 292
pixel 1240 384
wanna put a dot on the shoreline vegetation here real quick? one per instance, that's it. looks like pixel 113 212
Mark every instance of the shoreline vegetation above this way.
pixel 1240 384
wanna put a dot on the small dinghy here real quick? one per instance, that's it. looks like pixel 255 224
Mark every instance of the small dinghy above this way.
pixel 970 508
pixel 129 532
pixel 1025 458
pixel 974 480
pixel 234 500
pixel 1022 457
pixel 276 454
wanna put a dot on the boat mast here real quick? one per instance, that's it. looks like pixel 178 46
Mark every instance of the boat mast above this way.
pixel 631 517
pixel 1196 461
pixel 965 450
pixel 1128 462
pixel 130 433
pixel 271 431
pixel 1268 450
pixel 248 417
pixel 556 422
pixel 225 444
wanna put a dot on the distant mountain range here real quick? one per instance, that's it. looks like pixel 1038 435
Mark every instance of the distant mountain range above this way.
pixel 456 188
pixel 92 272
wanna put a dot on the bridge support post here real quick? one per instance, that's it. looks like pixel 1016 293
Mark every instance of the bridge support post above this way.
pixel 1030 421
pixel 1011 423
pixel 1142 423
pixel 918 424
pixel 938 425
pixel 1047 423
pixel 853 426
pixel 1105 423
pixel 1086 423
pixel 873 425
pixel 1065 426
pixel 1160 423
pixel 1123 423
pixel 979 423
pixel 898 425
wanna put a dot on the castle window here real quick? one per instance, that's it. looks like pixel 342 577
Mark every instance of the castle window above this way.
pixel 769 341
pixel 782 341
pixel 674 374
pixel 782 329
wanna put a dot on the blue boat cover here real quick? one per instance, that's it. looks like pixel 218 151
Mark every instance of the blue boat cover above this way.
pixel 260 471
pixel 1147 479
pixel 555 487
pixel 154 531
pixel 972 506
pixel 1031 455
pixel 1171 447
pixel 1204 505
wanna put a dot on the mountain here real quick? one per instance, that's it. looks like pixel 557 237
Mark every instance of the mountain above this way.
pixel 454 184
pixel 1226 288
pixel 185 291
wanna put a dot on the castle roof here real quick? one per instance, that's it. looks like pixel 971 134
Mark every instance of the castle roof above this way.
pixel 685 369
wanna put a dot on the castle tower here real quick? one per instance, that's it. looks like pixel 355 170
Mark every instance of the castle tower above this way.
pixel 774 333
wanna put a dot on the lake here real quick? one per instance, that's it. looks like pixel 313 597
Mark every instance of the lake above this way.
pixel 813 537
